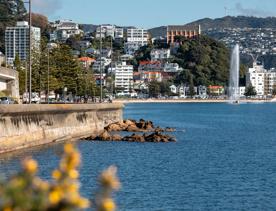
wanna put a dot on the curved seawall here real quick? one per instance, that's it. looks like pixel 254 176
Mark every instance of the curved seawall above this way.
pixel 24 126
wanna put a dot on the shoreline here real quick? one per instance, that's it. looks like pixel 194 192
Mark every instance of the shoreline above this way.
pixel 129 101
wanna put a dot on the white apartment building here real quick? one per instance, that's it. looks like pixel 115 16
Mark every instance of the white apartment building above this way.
pixel 123 78
pixel 256 78
pixel 139 36
pixel 263 80
pixel 160 54
pixel 270 81
pixel 136 38
pixel 64 29
pixel 17 41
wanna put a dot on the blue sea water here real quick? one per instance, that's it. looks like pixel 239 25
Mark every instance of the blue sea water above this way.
pixel 224 159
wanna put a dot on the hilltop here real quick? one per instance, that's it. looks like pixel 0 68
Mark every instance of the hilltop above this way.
pixel 225 22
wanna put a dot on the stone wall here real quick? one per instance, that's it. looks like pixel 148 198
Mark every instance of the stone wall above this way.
pixel 24 126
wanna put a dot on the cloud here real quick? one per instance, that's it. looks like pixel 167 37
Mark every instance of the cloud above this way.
pixel 46 7
pixel 252 12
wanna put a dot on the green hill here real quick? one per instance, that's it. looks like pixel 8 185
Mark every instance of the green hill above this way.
pixel 225 22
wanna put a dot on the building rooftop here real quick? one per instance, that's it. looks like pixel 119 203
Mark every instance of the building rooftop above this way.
pixel 182 28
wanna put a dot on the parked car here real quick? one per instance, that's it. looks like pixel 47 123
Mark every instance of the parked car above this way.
pixel 6 100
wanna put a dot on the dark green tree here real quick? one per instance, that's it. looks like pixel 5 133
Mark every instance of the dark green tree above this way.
pixel 154 89
pixel 205 58
pixel 250 91
pixel 274 90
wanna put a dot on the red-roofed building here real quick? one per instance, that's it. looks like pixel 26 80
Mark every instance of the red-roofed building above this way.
pixel 149 76
pixel 216 90
pixel 150 66
pixel 86 62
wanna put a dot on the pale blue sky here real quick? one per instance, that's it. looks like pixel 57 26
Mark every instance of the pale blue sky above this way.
pixel 149 13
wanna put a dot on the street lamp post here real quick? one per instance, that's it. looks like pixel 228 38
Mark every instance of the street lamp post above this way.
pixel 101 71
pixel 48 75
pixel 30 50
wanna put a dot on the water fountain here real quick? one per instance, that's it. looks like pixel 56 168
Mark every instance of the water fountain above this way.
pixel 233 90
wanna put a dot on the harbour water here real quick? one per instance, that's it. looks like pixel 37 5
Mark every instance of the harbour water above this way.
pixel 225 159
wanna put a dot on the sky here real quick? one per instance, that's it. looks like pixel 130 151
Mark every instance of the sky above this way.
pixel 150 13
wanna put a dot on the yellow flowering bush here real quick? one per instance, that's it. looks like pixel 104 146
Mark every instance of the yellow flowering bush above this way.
pixel 25 191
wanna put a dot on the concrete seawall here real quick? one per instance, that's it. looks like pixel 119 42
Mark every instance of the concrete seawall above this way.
pixel 23 126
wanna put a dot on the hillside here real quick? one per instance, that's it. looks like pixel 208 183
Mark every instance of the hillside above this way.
pixel 225 22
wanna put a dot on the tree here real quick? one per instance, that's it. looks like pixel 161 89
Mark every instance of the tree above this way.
pixel 191 86
pixel 274 90
pixel 205 58
pixel 250 91
pixel 154 89
pixel 19 66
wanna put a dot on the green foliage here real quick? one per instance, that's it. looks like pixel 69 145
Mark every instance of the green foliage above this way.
pixel 250 91
pixel 206 59
pixel 191 86
pixel 274 90
pixel 159 88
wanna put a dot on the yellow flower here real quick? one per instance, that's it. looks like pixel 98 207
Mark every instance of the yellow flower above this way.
pixel 108 205
pixel 56 174
pixel 7 209
pixel 73 188
pixel 109 178
pixel 54 197
pixel 30 166
pixel 68 148
pixel 73 174
pixel 83 203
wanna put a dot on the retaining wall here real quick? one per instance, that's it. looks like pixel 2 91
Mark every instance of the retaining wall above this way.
pixel 24 126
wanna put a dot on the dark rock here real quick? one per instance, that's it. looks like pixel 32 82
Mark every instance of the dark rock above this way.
pixel 134 138
pixel 116 137
pixel 159 129
pixel 159 137
pixel 105 136
pixel 169 129
pixel 133 128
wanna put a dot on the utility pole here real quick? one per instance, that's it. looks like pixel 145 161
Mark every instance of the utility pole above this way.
pixel 111 48
pixel 48 75
pixel 30 52
pixel 101 71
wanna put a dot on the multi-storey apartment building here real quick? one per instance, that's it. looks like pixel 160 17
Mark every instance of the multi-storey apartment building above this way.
pixel 123 78
pixel 184 31
pixel 256 77
pixel 263 80
pixel 17 41
pixel 139 36
pixel 270 81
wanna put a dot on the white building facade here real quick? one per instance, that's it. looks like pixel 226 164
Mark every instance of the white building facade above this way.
pixel 64 29
pixel 160 54
pixel 262 80
pixel 136 38
pixel 17 41
pixel 123 78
